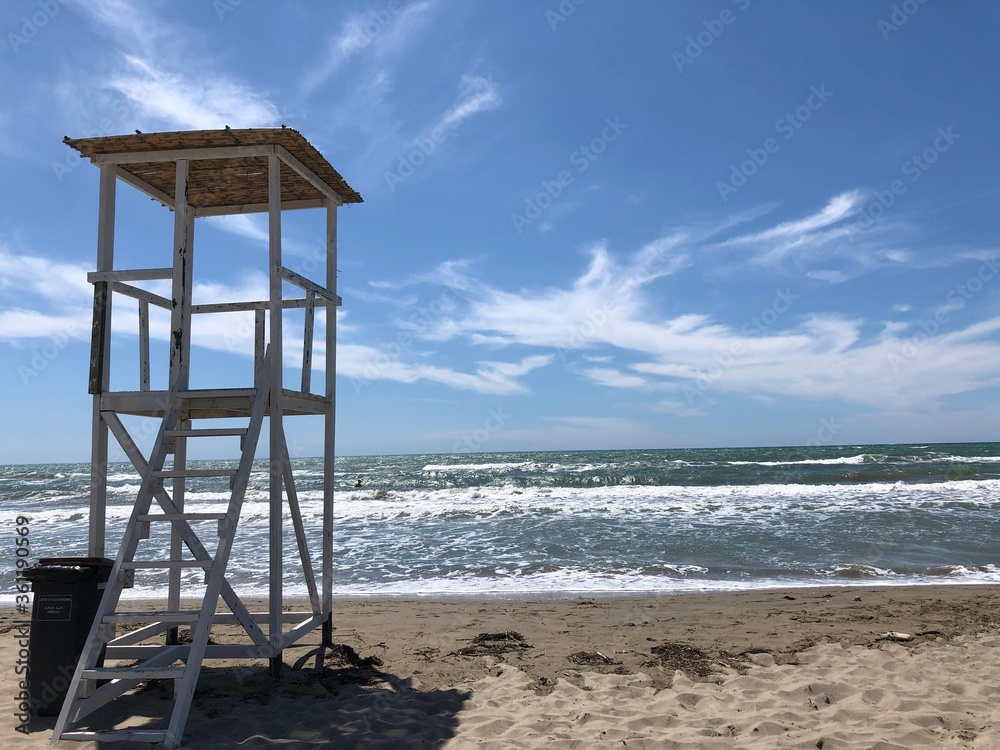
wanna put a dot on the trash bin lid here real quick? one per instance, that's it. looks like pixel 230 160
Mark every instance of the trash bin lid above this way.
pixel 65 569
pixel 93 562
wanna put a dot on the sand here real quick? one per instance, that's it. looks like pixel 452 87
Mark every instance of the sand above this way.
pixel 802 668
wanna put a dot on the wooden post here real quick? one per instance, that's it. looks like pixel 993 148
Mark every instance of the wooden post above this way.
pixel 259 346
pixel 101 363
pixel 143 345
pixel 180 315
pixel 307 341
pixel 180 357
pixel 276 594
pixel 329 423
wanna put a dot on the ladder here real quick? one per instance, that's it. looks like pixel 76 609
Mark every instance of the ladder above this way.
pixel 93 686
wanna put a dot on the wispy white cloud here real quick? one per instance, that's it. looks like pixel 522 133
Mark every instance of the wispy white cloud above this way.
pixel 364 364
pixel 53 281
pixel 241 225
pixel 615 378
pixel 479 94
pixel 159 75
pixel 830 245
pixel 610 306
pixel 191 101
pixel 23 325
pixel 42 299
pixel 840 207
pixel 128 23
pixel 376 35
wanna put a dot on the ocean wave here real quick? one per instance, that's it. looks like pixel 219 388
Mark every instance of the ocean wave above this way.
pixel 626 501
pixel 476 467
pixel 846 460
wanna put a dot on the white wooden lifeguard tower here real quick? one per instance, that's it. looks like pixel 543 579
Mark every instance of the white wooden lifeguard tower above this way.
pixel 195 174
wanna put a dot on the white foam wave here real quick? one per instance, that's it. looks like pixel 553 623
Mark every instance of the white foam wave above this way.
pixel 716 504
pixel 476 467
pixel 845 460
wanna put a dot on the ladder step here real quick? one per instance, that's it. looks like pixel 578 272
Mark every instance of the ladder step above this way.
pixel 118 735
pixel 208 432
pixel 187 473
pixel 134 673
pixel 134 565
pixel 141 617
pixel 181 517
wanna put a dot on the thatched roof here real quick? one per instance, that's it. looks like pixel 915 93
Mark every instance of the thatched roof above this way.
pixel 218 183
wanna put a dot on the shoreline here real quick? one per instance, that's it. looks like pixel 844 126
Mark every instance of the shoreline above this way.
pixel 781 668
pixel 7 602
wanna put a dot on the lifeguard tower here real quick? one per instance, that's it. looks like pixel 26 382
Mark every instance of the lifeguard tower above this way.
pixel 197 174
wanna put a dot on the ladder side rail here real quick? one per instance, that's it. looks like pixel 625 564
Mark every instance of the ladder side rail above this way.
pixel 184 691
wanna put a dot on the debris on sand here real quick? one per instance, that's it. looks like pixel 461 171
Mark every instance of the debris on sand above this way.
pixel 495 644
pixel 688 659
pixel 591 659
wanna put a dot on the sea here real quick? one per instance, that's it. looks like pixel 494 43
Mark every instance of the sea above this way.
pixel 581 523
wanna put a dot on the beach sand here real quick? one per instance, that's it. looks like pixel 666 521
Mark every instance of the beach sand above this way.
pixel 796 668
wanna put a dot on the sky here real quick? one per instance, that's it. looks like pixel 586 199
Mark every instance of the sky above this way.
pixel 586 224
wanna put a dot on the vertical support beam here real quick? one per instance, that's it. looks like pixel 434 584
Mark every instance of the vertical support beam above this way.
pixel 180 315
pixel 176 543
pixel 143 345
pixel 330 421
pixel 276 594
pixel 180 355
pixel 101 362
pixel 307 341
pixel 259 346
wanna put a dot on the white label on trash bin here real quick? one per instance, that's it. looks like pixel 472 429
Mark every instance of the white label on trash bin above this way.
pixel 53 607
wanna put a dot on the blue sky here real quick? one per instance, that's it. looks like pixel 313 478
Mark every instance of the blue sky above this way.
pixel 586 224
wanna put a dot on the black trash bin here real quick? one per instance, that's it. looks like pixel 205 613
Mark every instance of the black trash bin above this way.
pixel 68 591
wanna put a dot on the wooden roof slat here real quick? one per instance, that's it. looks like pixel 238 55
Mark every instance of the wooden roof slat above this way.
pixel 218 182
